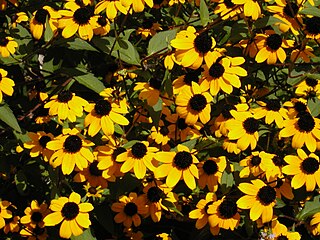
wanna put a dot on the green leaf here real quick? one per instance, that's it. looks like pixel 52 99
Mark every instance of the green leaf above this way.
pixel 168 83
pixel 313 11
pixel 314 106
pixel 103 43
pixel 310 208
pixel 126 34
pixel 79 44
pixel 204 13
pixel 280 203
pixel 8 117
pixel 86 235
pixel 266 21
pixel 48 33
pixel 90 81
pixel 160 42
pixel 227 181
pixel 155 113
pixel 125 51
pixel 21 182
pixel 190 144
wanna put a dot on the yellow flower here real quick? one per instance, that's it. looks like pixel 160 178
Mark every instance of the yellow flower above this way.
pixel 251 164
pixel 101 26
pixel 280 231
pixel 4 212
pixel 35 214
pixel 112 7
pixel 6 84
pixel 94 192
pixel 312 27
pixel 185 81
pixel 272 165
pixel 308 87
pixel 138 5
pixel 160 135
pixel 227 9
pixel 150 91
pixel 251 8
pixel 71 213
pixel 149 28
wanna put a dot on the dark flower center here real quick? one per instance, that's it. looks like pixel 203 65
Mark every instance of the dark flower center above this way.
pixel 139 150
pixel 310 165
pixel 72 144
pixel 226 111
pixel 103 107
pixel 147 23
pixel 70 210
pixel 192 76
pixel 281 237
pixel 130 209
pixel 279 183
pixel 300 107
pixel 273 105
pixel 228 3
pixel 65 96
pixel 94 171
pixel 82 16
pixel 266 195
pixel 306 122
pixel 203 43
pixel 44 140
pixel 274 41
pixel 198 102
pixel 228 208
pixel 158 1
pixel 36 217
pixel 278 161
pixel 255 161
pixel 117 152
pixel 102 21
pixel 182 160
pixel 155 83
pixel 164 130
pixel 182 124
pixel 291 10
pixel 251 125
pixel 41 16
pixel 311 82
pixel 154 194
pixel 3 42
pixel 92 190
pixel 216 70
pixel 210 167
pixel 313 25
pixel 281 143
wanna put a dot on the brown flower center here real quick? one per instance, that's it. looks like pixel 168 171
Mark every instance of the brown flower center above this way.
pixel 70 210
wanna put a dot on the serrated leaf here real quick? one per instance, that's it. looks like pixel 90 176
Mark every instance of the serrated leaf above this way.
pixel 313 11
pixel 7 116
pixel 48 33
pixel 79 44
pixel 204 13
pixel 126 52
pixel 90 81
pixel 86 235
pixel 161 41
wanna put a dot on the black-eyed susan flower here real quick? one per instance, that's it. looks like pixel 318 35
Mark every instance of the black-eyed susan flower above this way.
pixel 272 165
pixel 5 213
pixel 66 105
pixel 283 188
pixel 38 21
pixel 93 192
pixel 201 211
pixel 194 103
pixel 185 81
pixel 70 150
pixel 34 233
pixel 272 111
pixel 129 209
pixel 304 168
pixel 249 47
pixel 160 135
pixel 76 19
pixel 101 26
pixel 148 28
pixel 231 146
pixel 210 172
pixel 38 144
pixel 103 115
pixel 169 61
pixel 227 9
pixel 139 5
pixel 139 158
pixel 271 47
pixel 172 2
pixel 13 223
pixel 296 106
pixel 42 115
pixel 304 129
pixel 178 165
pixel 304 54
pixel 243 128
pixel 252 165
pixel 6 84
pixel 251 8
pixel 7 46
pixel 71 213
pixel 280 231
pixel 192 48
pixel 150 91
pixel 35 214
pixel 315 223
pixel 223 214
pixel 18 18
pixel 312 27
pixel 260 199
pixel 223 73
pixel 308 88
pixel 112 7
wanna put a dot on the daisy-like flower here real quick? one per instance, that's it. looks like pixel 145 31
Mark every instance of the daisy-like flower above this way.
pixel 6 84
pixel 260 199
pixel 38 21
pixel 38 144
pixel 201 211
pixel 13 223
pixel 42 115
pixel 210 172
pixel 271 47
pixel 243 128
pixel 194 103
pixel 138 5
pixel 251 8
pixel 7 46
pixel 18 18
pixel 272 111
pixel 308 87
pixel 192 48
pixel 172 2
pixel 252 165
pixel 283 188
pixel 315 223
pixel 70 150
pixel 281 232
pixel 101 26
pixel 112 7
pixel 249 47
pixel 66 105
pixel 223 214
pixel 223 73
pixel 156 193
pixel 71 213
pixel 304 168
pixel 185 81
pixel 160 135
pixel 93 192
pixel 227 9
pixel 34 233
pixel 304 129
pixel 150 91
pixel 296 106
pixel 103 115
pixel 231 146
pixel 312 27
pixel 149 28
pixel 5 213
pixel 35 214
pixel 272 165
pixel 129 209
pixel 139 158
pixel 76 19
pixel 178 165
